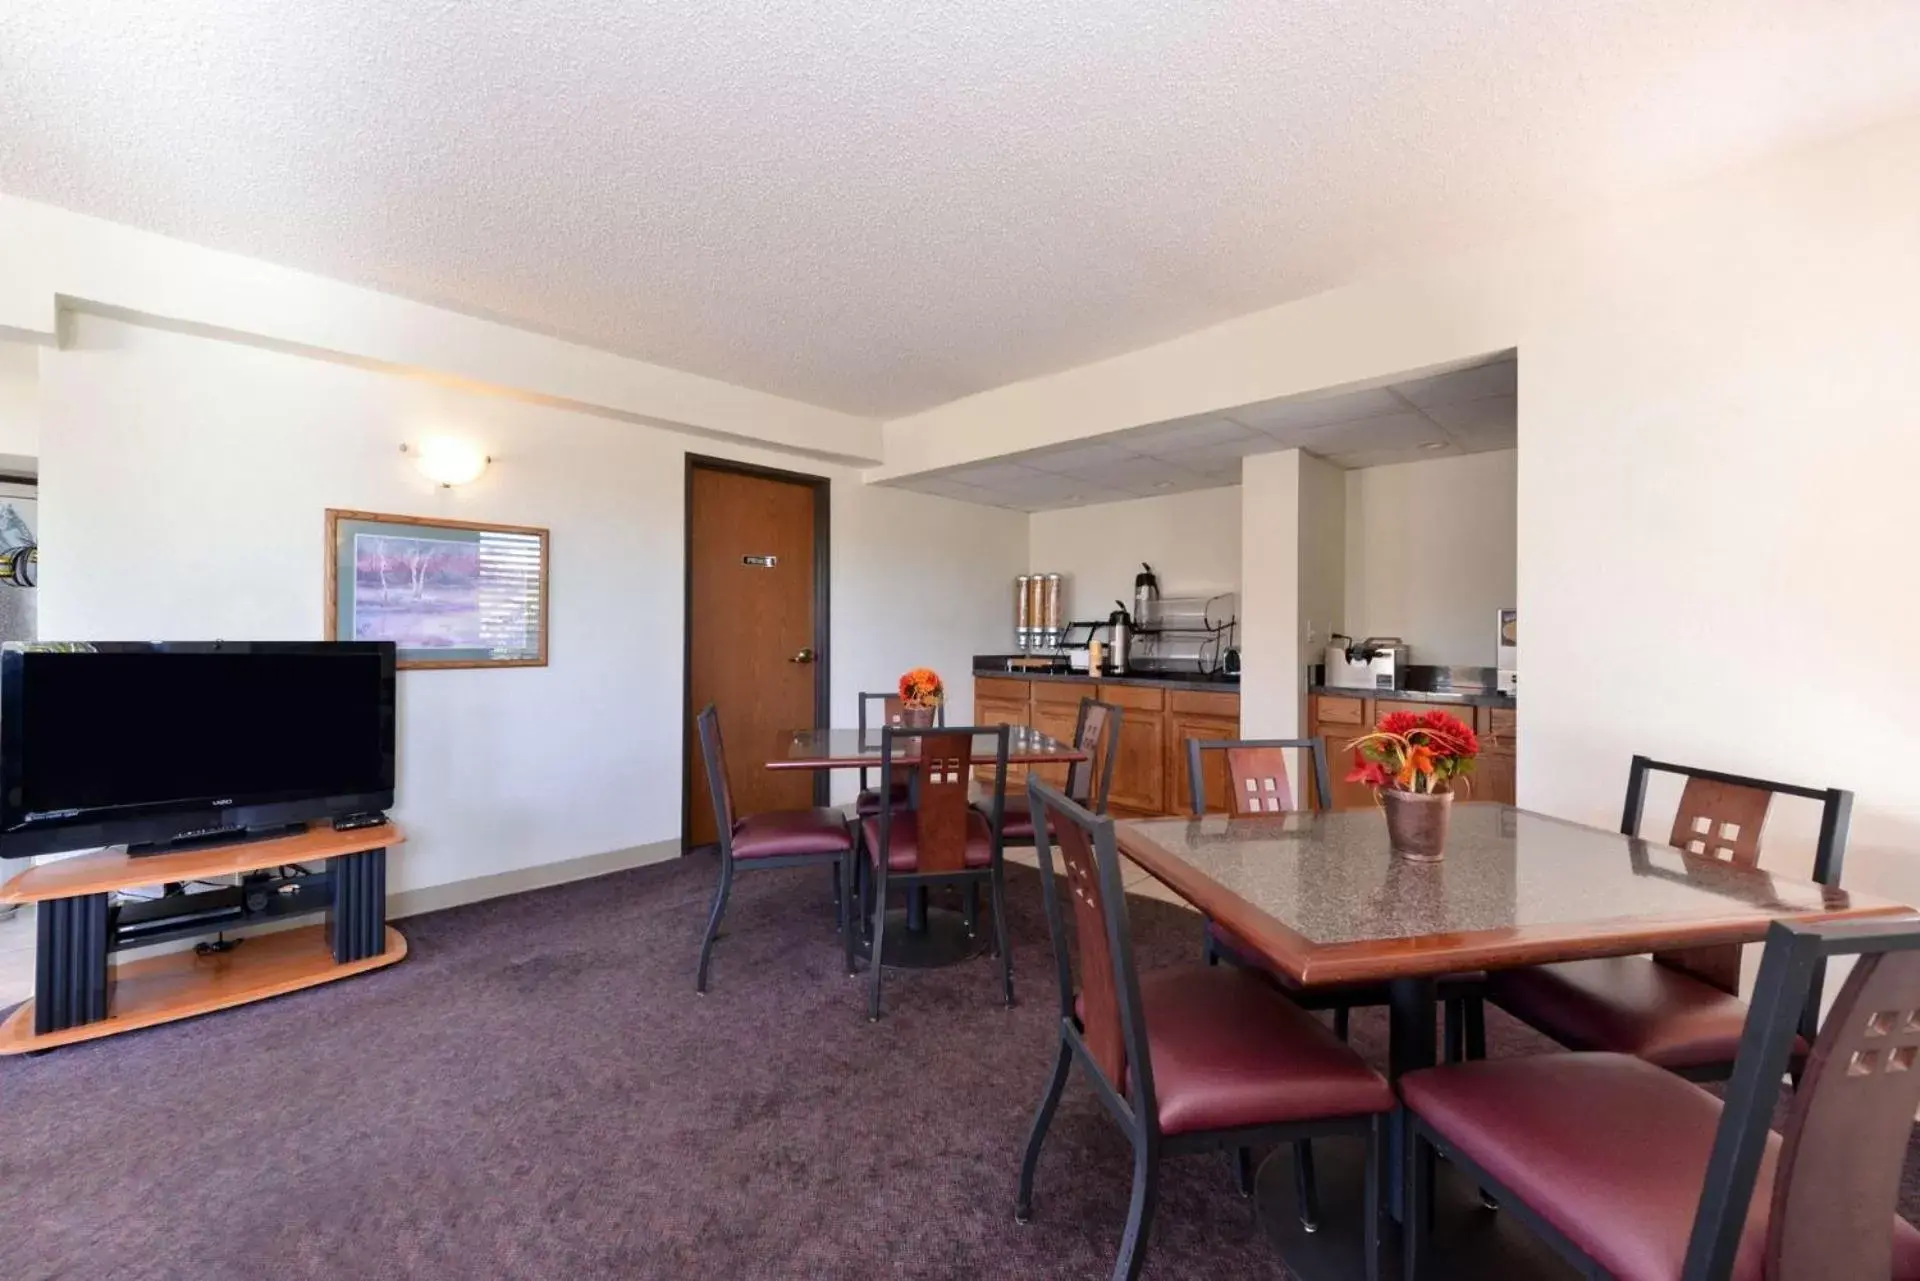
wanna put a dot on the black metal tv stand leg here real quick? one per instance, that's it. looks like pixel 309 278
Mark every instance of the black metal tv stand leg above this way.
pixel 357 921
pixel 70 966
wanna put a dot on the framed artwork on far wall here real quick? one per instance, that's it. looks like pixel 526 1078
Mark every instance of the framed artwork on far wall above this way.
pixel 448 593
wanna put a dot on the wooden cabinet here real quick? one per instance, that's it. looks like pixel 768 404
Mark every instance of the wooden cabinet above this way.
pixel 1055 712
pixel 999 701
pixel 1342 718
pixel 1206 716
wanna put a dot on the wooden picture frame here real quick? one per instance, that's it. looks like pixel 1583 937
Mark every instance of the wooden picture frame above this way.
pixel 484 607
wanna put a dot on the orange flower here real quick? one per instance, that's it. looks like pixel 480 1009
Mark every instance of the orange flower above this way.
pixel 921 688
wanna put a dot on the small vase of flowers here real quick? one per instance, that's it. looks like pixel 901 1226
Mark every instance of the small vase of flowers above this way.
pixel 921 693
pixel 1413 762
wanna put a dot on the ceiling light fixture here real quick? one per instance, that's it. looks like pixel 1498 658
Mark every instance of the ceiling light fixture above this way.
pixel 1163 484
pixel 1434 444
pixel 448 462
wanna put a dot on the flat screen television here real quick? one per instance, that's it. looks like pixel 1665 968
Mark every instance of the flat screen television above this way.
pixel 153 744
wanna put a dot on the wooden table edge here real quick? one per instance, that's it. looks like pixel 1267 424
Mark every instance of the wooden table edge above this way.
pixel 1325 964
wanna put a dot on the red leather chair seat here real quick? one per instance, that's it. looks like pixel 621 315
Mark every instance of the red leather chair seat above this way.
pixel 782 832
pixel 1016 821
pixel 903 853
pixel 1609 1149
pixel 1627 1005
pixel 1229 1051
pixel 868 802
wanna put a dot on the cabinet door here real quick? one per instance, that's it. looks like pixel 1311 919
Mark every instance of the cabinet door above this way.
pixel 1055 720
pixel 1182 726
pixel 1139 763
pixel 990 710
pixel 1492 779
pixel 1346 796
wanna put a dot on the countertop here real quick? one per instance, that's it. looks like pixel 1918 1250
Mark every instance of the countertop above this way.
pixel 1154 680
pixel 1456 698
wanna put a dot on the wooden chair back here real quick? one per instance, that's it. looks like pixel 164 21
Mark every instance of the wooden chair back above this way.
pixel 1721 816
pixel 1836 1183
pixel 1257 773
pixel 1094 957
pixel 1095 733
pixel 715 755
pixel 941 792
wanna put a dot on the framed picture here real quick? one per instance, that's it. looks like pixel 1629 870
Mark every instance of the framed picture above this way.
pixel 448 593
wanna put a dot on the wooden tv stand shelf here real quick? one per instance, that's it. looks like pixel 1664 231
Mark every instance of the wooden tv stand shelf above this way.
pixel 80 995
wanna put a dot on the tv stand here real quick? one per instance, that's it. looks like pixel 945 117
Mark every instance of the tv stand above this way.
pixel 209 839
pixel 80 994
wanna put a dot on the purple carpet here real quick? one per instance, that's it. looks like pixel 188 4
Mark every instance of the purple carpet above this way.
pixel 536 1092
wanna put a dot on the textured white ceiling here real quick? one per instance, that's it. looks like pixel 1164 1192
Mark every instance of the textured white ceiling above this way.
pixel 1468 410
pixel 882 207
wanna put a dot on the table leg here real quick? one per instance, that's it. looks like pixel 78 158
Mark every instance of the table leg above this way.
pixel 70 963
pixel 1410 1030
pixel 917 909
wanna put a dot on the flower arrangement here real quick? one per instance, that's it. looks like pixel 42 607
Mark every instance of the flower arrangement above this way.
pixel 921 687
pixel 1407 752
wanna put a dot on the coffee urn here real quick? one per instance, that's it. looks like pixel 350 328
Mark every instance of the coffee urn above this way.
pixel 1146 597
pixel 1119 639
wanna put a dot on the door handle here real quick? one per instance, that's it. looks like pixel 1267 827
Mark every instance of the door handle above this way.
pixel 804 656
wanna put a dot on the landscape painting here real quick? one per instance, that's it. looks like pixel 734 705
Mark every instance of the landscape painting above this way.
pixel 420 593
pixel 446 593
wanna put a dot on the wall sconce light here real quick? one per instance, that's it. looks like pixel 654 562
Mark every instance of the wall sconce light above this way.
pixel 448 462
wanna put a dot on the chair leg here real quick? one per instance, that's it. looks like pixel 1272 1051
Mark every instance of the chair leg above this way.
pixel 1146 1190
pixel 1342 1020
pixel 848 877
pixel 1456 1032
pixel 1376 1151
pixel 1305 1187
pixel 1002 942
pixel 879 887
pixel 839 898
pixel 973 908
pixel 1243 1170
pixel 1062 1063
pixel 713 922
pixel 1417 1219
pixel 1476 1011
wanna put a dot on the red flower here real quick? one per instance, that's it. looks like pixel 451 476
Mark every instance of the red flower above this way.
pixel 1372 773
pixel 1449 735
pixel 1401 723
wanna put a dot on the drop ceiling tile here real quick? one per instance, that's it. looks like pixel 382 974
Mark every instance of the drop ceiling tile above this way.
pixel 1285 419
pixel 1501 378
pixel 1488 418
pixel 1137 473
pixel 1353 460
pixel 1167 440
pixel 1075 458
pixel 1398 431
pixel 1205 458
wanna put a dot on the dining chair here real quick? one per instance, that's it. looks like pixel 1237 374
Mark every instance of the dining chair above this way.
pixel 776 838
pixel 1190 1059
pixel 939 838
pixel 1631 1172
pixel 1095 731
pixel 868 801
pixel 1678 1010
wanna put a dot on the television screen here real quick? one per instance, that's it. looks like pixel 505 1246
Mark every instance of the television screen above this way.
pixel 143 742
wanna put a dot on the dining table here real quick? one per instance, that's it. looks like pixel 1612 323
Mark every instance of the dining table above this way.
pixel 926 936
pixel 1321 898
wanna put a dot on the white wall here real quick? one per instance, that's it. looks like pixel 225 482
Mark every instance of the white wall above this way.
pixel 1323 560
pixel 1430 554
pixel 1271 682
pixel 1192 541
pixel 1717 451
pixel 19 406
pixel 184 481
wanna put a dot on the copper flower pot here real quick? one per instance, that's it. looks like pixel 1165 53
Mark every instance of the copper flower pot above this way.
pixel 1417 824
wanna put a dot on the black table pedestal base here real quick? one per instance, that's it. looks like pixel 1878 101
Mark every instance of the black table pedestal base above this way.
pixel 943 940
pixel 1469 1242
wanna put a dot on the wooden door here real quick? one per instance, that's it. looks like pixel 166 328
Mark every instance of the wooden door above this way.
pixel 1056 713
pixel 752 631
pixel 1209 717
pixel 1139 753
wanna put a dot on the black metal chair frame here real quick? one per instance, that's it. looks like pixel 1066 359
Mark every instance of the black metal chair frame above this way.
pixel 1077 780
pixel 870 696
pixel 1829 855
pixel 880 878
pixel 1140 1118
pixel 1796 956
pixel 715 753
